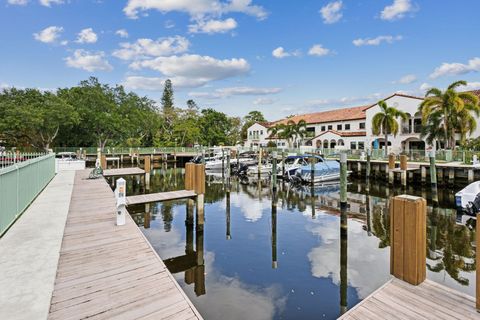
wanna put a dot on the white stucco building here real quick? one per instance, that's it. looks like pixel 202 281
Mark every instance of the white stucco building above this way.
pixel 351 128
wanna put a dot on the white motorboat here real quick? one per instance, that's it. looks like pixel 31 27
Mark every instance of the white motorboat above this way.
pixel 467 200
pixel 292 163
pixel 323 171
pixel 219 163
pixel 265 169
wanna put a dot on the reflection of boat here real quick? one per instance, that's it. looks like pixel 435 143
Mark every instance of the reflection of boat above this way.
pixel 467 200
pixel 323 171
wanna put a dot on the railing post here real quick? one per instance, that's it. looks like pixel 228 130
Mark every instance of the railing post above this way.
pixel 408 232
pixel 121 195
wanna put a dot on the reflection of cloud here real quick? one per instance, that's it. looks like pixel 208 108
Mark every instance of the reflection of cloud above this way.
pixel 368 266
pixel 251 209
pixel 230 296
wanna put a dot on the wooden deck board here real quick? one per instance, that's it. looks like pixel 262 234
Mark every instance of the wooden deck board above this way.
pixel 111 272
pixel 400 300
pixel 123 172
pixel 161 196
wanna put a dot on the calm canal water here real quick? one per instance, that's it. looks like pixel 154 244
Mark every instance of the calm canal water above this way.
pixel 257 258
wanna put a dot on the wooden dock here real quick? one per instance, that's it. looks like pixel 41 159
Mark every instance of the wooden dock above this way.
pixel 107 271
pixel 123 172
pixel 161 196
pixel 399 300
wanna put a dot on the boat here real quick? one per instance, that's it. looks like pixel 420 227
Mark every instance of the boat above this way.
pixel 265 169
pixel 467 200
pixel 291 164
pixel 324 170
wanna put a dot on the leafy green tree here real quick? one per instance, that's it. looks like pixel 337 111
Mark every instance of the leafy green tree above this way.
pixel 33 117
pixel 446 112
pixel 251 118
pixel 385 122
pixel 214 127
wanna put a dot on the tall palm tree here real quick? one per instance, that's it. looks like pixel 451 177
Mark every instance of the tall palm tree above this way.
pixel 386 121
pixel 275 131
pixel 299 130
pixel 446 112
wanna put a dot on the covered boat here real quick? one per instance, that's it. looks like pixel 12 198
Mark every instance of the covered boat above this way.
pixel 324 170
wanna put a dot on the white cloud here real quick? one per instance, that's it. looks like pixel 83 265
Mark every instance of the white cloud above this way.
pixel 319 51
pixel 196 9
pixel 87 36
pixel 122 33
pixel 376 41
pixel 144 83
pixel 407 79
pixel 169 24
pixel 470 86
pixel 425 86
pixel 18 2
pixel 88 61
pixel 280 53
pixel 48 3
pixel 397 10
pixel 194 70
pixel 344 101
pixel 235 91
pixel 263 101
pixel 448 69
pixel 332 12
pixel 213 26
pixel 48 35
pixel 144 48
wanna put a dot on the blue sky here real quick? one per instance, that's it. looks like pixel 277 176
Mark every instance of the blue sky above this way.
pixel 279 57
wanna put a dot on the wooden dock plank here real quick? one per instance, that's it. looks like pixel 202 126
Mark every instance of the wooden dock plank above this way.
pixel 161 196
pixel 111 272
pixel 123 172
pixel 400 300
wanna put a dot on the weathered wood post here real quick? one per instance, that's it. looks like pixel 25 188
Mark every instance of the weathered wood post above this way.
pixel 237 154
pixel 103 162
pixel 121 195
pixel 199 183
pixel 259 162
pixel 228 165
pixel 391 166
pixel 433 178
pixel 312 171
pixel 283 163
pixel 189 185
pixel 470 175
pixel 408 232
pixel 146 216
pixel 148 168
pixel 343 233
pixel 274 171
pixel 451 176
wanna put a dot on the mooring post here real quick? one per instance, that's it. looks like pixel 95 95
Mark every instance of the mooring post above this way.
pixel 237 154
pixel 312 171
pixel 451 176
pixel 103 162
pixel 228 165
pixel 408 232
pixel 343 233
pixel 189 185
pixel 471 176
pixel 223 162
pixel 283 163
pixel 433 178
pixel 199 182
pixel 368 169
pixel 403 168
pixel 121 195
pixel 391 166
pixel 146 216
pixel 147 162
pixel 259 162
pixel 274 171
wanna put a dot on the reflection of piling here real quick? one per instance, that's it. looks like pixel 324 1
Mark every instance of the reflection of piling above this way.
pixel 274 171
pixel 229 236
pixel 408 230
pixel 433 178
pixel 274 231
pixel 200 268
pixel 369 214
pixel 343 233
pixel 367 172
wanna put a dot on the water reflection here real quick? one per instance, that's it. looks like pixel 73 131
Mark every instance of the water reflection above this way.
pixel 292 253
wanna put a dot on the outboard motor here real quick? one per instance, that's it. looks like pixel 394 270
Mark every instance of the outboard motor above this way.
pixel 197 159
pixel 241 171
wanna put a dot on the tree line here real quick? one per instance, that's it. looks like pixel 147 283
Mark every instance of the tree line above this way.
pixel 96 114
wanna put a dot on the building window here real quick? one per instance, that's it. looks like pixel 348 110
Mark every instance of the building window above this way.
pixel 353 145
pixel 250 133
pixel 361 145
pixel 330 127
pixel 347 126
pixel 339 127
pixel 323 128
pixel 361 125
pixel 261 132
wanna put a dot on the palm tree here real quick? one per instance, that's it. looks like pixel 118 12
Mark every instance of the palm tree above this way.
pixel 299 130
pixel 275 131
pixel 386 121
pixel 445 112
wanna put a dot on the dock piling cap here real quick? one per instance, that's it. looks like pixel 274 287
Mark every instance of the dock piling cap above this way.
pixel 409 197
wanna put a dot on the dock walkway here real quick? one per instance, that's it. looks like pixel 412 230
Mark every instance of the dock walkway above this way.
pixel 107 271
pixel 123 172
pixel 160 196
pixel 400 300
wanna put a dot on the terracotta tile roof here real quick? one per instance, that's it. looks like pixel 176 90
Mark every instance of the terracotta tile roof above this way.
pixel 343 133
pixel 354 113
pixel 265 124
pixel 394 95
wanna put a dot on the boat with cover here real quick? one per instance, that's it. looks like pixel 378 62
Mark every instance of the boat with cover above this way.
pixel 467 200
pixel 324 170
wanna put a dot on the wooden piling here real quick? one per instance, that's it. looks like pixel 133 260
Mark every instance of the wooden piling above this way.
pixel 148 169
pixel 103 162
pixel 189 176
pixel 408 216
pixel 259 162
pixel 199 187
pixel 403 162
pixel 391 161
pixel 274 171
pixel 312 171
pixel 368 169
pixel 471 176
pixel 343 179
pixel 283 163
pixel 433 178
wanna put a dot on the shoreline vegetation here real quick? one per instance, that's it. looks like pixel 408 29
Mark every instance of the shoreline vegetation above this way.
pixel 100 115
